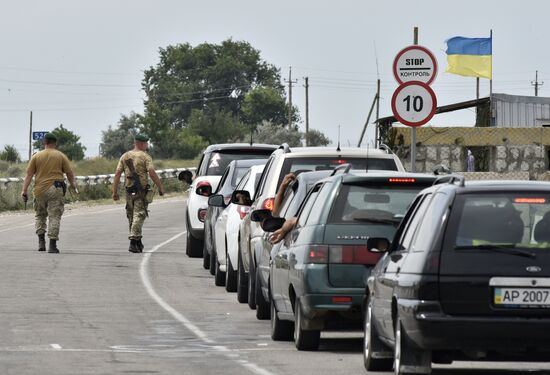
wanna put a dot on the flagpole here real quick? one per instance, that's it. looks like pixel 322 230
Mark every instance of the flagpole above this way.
pixel 491 80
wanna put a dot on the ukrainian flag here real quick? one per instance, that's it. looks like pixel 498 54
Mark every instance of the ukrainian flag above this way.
pixel 472 57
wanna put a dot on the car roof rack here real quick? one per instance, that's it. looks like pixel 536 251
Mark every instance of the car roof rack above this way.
pixel 344 168
pixel 285 147
pixel 450 179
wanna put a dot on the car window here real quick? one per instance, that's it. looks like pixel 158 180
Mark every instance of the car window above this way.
pixel 413 222
pixel 307 205
pixel 243 181
pixel 238 174
pixel 287 203
pixel 201 170
pixel 220 160
pixel 431 222
pixel 303 164
pixel 222 180
pixel 263 178
pixel 520 219
pixel 314 216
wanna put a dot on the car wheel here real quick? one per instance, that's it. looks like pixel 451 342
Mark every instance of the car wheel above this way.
pixel 407 358
pixel 304 340
pixel 281 330
pixel 376 355
pixel 205 257
pixel 262 306
pixel 213 260
pixel 193 245
pixel 242 281
pixel 219 277
pixel 230 276
pixel 251 286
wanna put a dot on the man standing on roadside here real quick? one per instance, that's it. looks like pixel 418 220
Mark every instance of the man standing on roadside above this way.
pixel 48 167
pixel 137 166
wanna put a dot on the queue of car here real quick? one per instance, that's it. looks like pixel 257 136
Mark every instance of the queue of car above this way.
pixel 431 268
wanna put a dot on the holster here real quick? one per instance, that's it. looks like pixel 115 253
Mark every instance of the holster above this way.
pixel 61 184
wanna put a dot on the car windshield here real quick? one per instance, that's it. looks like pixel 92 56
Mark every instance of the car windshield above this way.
pixel 239 173
pixel 381 205
pixel 489 221
pixel 220 160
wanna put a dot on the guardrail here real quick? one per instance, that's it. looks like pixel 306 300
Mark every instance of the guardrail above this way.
pixel 104 178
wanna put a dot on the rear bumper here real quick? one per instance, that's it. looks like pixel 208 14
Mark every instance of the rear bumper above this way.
pixel 430 328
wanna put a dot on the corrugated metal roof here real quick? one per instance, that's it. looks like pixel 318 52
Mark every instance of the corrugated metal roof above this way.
pixel 514 111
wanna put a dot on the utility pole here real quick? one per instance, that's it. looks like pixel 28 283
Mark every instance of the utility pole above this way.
pixel 376 140
pixel 536 83
pixel 307 108
pixel 30 137
pixel 290 82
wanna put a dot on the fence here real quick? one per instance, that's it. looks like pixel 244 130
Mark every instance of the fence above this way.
pixel 103 178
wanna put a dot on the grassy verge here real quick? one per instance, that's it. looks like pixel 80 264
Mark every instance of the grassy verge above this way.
pixel 10 198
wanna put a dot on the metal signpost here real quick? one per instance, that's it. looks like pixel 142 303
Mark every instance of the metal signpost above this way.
pixel 414 102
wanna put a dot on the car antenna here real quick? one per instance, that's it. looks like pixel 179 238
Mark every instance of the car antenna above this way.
pixel 338 148
pixel 251 133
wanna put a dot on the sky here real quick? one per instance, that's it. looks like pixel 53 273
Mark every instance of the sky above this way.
pixel 80 62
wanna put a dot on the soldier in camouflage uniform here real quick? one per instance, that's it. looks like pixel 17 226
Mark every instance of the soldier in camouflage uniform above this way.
pixel 48 167
pixel 136 164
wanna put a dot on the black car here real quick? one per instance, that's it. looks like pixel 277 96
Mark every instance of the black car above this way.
pixel 467 276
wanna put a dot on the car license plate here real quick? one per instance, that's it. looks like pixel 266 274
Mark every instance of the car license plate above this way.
pixel 522 297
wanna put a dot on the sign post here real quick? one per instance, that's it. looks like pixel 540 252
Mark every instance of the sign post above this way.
pixel 413 66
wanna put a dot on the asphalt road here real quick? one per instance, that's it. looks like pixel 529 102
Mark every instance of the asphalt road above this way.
pixel 98 309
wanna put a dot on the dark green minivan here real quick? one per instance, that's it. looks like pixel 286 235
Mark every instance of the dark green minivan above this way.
pixel 319 272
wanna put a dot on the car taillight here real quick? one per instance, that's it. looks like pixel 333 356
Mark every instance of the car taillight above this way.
pixel 201 214
pixel 342 299
pixel 352 254
pixel 317 254
pixel 268 204
pixel 402 180
pixel 203 188
pixel 242 211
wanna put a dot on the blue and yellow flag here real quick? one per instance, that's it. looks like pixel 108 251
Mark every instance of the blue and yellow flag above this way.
pixel 472 57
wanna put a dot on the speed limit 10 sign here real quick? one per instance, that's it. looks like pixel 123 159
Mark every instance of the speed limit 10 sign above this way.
pixel 413 103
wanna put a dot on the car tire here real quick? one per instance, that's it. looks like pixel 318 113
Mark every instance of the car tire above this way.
pixel 407 358
pixel 230 276
pixel 251 286
pixel 262 306
pixel 219 276
pixel 281 330
pixel 242 281
pixel 193 245
pixel 205 257
pixel 376 355
pixel 213 260
pixel 304 339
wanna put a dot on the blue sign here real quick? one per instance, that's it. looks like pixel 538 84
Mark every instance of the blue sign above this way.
pixel 38 136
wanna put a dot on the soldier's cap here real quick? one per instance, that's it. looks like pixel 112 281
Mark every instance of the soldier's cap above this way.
pixel 141 138
pixel 50 137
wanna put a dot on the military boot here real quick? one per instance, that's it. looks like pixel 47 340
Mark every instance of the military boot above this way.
pixel 42 242
pixel 140 245
pixel 134 247
pixel 53 247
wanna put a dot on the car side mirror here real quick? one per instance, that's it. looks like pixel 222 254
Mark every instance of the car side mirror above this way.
pixel 272 224
pixel 260 215
pixel 378 244
pixel 216 200
pixel 186 176
pixel 241 197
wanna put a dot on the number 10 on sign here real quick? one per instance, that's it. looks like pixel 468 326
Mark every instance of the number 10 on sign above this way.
pixel 414 103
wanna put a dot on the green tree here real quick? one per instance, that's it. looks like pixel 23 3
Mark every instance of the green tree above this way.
pixel 266 104
pixel 275 134
pixel 316 138
pixel 67 142
pixel 213 79
pixel 116 141
pixel 10 154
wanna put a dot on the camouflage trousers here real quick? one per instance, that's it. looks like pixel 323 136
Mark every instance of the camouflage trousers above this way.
pixel 49 206
pixel 136 212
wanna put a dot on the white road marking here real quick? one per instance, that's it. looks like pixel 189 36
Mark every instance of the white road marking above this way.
pixel 144 274
pixel 56 346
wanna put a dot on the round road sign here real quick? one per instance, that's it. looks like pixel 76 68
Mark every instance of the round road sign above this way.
pixel 415 63
pixel 413 103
